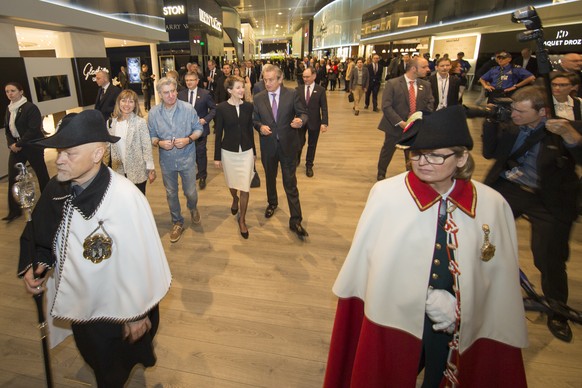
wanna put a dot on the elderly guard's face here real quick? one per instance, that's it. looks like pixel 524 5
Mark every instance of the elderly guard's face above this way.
pixel 77 163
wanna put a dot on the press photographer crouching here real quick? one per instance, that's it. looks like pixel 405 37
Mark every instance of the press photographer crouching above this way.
pixel 534 170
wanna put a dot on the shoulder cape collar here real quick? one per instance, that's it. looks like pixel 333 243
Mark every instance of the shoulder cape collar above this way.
pixel 464 195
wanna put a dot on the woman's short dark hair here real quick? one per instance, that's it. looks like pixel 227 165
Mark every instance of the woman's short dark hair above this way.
pixel 17 85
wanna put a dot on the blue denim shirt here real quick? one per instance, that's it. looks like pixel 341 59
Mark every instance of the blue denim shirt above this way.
pixel 182 123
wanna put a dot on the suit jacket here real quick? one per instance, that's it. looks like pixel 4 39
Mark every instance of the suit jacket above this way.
pixel 532 64
pixel 365 77
pixel 558 182
pixel 316 108
pixel 204 105
pixel 28 123
pixel 396 106
pixel 138 151
pixel 452 93
pixel 106 104
pixel 212 85
pixel 220 93
pixel 375 79
pixel 290 106
pixel 123 80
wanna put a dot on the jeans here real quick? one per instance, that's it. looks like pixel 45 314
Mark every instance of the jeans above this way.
pixel 170 179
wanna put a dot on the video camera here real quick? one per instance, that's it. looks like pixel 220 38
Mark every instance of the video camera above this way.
pixel 500 111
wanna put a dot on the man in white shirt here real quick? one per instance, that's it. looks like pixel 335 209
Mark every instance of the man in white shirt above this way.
pixel 445 88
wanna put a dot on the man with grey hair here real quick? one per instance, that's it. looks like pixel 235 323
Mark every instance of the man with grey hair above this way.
pixel 107 95
pixel 278 115
pixel 174 126
pixel 571 63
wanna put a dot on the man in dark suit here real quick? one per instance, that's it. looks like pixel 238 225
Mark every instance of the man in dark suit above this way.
pixel 534 170
pixel 202 101
pixel 402 97
pixel 213 72
pixel 277 117
pixel 107 95
pixel 526 61
pixel 397 66
pixel 445 89
pixel 314 98
pixel 220 93
pixel 249 71
pixel 375 69
pixel 123 78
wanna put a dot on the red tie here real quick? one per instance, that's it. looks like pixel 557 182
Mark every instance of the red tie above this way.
pixel 411 98
pixel 308 96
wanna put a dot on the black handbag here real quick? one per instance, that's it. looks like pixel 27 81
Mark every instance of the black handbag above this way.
pixel 351 97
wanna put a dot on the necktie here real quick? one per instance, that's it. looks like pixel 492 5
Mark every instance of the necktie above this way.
pixel 308 95
pixel 411 97
pixel 274 105
pixel 102 94
pixel 443 212
pixel 375 68
pixel 76 190
pixel 499 79
pixel 191 97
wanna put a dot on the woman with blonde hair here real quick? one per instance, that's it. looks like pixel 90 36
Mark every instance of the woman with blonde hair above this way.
pixel 132 154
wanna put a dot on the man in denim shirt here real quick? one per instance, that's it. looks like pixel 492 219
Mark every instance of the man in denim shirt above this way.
pixel 174 126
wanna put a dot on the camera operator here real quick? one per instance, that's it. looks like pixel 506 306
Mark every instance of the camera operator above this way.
pixel 534 170
pixel 503 80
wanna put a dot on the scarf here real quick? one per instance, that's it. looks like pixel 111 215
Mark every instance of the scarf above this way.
pixel 13 109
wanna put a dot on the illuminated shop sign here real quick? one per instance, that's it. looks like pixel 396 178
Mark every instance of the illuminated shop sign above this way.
pixel 210 20
pixel 174 10
pixel 564 38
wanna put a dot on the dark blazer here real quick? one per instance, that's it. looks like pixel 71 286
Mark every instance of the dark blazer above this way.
pixel 532 64
pixel 123 80
pixel 375 79
pixel 204 105
pixel 317 107
pixel 220 93
pixel 258 87
pixel 395 104
pixel 556 166
pixel 106 105
pixel 290 106
pixel 28 123
pixel 453 90
pixel 233 131
pixel 212 86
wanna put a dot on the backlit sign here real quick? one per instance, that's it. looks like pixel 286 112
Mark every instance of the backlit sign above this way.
pixel 208 19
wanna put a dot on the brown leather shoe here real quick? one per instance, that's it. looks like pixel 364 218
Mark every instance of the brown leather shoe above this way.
pixel 176 233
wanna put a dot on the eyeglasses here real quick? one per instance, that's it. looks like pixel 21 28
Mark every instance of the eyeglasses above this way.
pixel 501 57
pixel 436 159
pixel 555 85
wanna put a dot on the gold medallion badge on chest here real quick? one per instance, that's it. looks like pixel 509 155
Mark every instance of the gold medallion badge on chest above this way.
pixel 97 246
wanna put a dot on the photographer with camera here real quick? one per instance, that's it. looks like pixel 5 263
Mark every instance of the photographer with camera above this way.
pixel 534 170
pixel 503 80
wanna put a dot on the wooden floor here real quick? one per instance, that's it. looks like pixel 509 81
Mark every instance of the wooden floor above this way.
pixel 259 312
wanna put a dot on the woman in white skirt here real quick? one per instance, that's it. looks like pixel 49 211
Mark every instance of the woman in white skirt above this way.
pixel 235 146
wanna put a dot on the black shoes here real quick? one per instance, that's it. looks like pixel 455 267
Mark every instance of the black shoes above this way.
pixel 309 171
pixel 299 230
pixel 381 177
pixel 270 211
pixel 11 217
pixel 244 235
pixel 560 328
pixel 202 183
pixel 366 106
pixel 376 110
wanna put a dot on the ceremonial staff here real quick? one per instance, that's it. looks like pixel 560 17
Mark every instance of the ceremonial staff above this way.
pixel 24 193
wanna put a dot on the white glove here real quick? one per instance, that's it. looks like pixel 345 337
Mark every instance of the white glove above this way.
pixel 440 308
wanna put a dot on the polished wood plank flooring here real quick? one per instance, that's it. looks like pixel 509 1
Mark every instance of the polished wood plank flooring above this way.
pixel 259 312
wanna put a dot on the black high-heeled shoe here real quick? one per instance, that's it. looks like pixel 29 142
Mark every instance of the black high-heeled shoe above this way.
pixel 245 235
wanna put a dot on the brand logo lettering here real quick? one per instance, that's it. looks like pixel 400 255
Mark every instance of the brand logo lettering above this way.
pixel 209 20
pixel 174 10
pixel 561 34
pixel 88 71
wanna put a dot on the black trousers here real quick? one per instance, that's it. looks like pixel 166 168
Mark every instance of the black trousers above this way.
pixel 271 159
pixel 311 145
pixel 34 156
pixel 147 96
pixel 110 357
pixel 433 358
pixel 549 237
pixel 201 158
pixel 373 89
pixel 387 152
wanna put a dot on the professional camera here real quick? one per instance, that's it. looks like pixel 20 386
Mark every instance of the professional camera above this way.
pixel 500 111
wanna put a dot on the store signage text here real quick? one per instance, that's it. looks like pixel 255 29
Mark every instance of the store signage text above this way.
pixel 210 20
pixel 560 41
pixel 88 71
pixel 174 10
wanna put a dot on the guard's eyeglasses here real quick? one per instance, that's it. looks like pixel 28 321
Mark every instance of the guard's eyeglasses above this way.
pixel 436 159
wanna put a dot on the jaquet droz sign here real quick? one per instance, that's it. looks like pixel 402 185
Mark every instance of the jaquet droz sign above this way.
pixel 84 70
pixel 563 38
